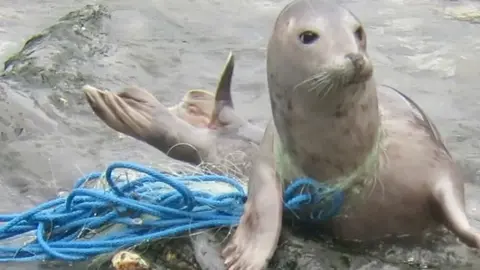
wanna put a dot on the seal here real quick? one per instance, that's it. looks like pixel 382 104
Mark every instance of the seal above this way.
pixel 195 108
pixel 332 123
pixel 204 127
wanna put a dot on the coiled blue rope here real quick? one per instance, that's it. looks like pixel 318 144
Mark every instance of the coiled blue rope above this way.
pixel 63 227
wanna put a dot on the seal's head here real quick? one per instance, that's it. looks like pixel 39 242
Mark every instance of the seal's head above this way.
pixel 317 46
pixel 322 91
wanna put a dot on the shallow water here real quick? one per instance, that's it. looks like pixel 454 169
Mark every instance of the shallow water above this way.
pixel 171 46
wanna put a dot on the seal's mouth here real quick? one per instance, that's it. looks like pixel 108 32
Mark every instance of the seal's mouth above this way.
pixel 361 67
pixel 355 68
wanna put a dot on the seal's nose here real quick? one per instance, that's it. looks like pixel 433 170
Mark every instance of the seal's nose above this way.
pixel 357 59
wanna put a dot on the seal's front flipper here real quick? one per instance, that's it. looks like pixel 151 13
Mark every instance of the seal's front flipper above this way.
pixel 449 199
pixel 256 237
pixel 137 113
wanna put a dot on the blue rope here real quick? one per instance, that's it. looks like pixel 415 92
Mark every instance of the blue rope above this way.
pixel 63 226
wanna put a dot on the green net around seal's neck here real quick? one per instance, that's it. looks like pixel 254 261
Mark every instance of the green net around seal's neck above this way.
pixel 354 182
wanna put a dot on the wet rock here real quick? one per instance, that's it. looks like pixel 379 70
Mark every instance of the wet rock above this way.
pixel 39 81
pixel 296 251
pixel 467 12
pixel 59 57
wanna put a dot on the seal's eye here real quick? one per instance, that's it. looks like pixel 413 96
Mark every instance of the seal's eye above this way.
pixel 308 37
pixel 359 33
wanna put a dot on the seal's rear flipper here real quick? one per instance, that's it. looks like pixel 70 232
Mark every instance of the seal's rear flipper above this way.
pixel 223 116
pixel 223 96
pixel 137 113
pixel 256 237
pixel 203 109
pixel 195 108
pixel 449 199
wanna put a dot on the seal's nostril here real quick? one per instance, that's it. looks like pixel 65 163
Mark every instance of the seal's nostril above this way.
pixel 356 58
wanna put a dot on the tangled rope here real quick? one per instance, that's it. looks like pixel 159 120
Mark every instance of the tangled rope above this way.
pixel 155 206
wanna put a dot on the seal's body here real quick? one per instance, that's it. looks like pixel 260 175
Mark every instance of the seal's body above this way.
pixel 330 123
pixel 396 197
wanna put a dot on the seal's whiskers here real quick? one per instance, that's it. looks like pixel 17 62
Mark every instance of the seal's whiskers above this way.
pixel 313 82
pixel 326 80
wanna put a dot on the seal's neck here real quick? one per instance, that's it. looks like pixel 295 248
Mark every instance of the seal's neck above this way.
pixel 332 136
